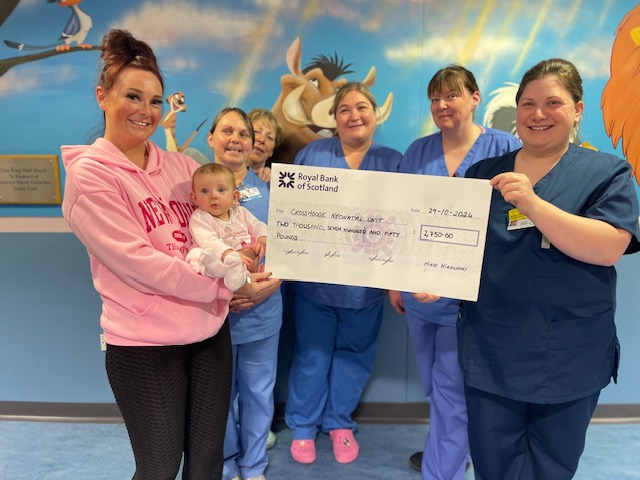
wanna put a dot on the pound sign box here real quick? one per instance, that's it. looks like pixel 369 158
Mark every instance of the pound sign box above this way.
pixel 396 231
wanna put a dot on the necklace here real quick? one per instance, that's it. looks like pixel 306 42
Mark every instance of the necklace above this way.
pixel 240 182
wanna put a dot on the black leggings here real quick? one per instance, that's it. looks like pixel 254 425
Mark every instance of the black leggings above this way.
pixel 174 399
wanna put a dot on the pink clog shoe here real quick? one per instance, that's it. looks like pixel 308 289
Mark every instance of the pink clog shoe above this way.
pixel 345 446
pixel 303 451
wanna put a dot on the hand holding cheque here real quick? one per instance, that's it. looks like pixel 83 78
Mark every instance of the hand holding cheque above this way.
pixel 395 231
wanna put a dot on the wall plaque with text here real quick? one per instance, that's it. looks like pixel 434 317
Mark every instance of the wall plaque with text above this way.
pixel 30 179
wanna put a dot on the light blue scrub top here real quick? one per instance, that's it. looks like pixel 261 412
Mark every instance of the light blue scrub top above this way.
pixel 263 320
pixel 426 157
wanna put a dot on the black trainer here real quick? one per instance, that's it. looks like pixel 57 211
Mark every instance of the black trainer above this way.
pixel 415 461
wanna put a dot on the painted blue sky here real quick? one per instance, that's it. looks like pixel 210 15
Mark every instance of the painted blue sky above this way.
pixel 232 52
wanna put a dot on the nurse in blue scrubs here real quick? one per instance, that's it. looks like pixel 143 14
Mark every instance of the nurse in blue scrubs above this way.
pixel 540 343
pixel 454 95
pixel 255 322
pixel 336 326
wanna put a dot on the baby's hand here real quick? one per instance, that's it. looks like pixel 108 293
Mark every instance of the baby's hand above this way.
pixel 246 255
pixel 225 253
pixel 250 259
pixel 247 260
pixel 260 246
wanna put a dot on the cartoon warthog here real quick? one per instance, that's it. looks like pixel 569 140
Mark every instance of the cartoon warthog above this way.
pixel 306 98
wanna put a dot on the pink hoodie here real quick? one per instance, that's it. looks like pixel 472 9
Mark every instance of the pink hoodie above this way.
pixel 135 225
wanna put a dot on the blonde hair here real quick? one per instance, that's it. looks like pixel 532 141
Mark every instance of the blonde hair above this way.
pixel 262 114
pixel 214 169
pixel 243 116
pixel 350 87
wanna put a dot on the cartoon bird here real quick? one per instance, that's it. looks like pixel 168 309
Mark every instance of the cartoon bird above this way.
pixel 177 104
pixel 75 31
pixel 620 101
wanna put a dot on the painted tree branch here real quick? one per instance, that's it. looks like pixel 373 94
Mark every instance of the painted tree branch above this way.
pixel 6 9
pixel 8 63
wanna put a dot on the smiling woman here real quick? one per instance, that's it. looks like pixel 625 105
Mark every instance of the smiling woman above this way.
pixel 255 320
pixel 128 203
pixel 269 136
pixel 540 343
pixel 454 97
pixel 548 113
pixel 134 106
pixel 336 326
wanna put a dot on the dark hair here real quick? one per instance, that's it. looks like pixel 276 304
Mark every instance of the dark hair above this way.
pixel 120 50
pixel 566 72
pixel 332 67
pixel 350 87
pixel 214 169
pixel 454 77
pixel 243 115
pixel 262 114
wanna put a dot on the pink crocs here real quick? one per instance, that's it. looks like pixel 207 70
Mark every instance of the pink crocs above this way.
pixel 345 446
pixel 303 451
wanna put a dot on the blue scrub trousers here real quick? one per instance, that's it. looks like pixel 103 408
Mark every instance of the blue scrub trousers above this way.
pixel 526 441
pixel 446 450
pixel 333 356
pixel 251 409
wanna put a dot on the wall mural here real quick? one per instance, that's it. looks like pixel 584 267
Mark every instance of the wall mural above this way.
pixel 621 95
pixel 177 103
pixel 307 96
pixel 75 31
pixel 71 38
pixel 290 57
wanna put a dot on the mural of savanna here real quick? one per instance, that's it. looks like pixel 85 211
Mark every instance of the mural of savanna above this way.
pixel 290 56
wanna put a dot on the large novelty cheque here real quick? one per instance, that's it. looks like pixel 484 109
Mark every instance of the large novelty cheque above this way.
pixel 415 233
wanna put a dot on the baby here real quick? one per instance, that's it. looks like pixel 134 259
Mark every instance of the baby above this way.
pixel 227 238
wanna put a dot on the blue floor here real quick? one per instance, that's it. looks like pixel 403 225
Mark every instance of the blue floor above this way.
pixel 73 451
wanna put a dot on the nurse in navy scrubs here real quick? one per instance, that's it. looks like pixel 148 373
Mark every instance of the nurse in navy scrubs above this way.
pixel 540 343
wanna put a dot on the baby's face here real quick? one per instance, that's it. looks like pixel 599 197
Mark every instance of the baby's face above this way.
pixel 214 194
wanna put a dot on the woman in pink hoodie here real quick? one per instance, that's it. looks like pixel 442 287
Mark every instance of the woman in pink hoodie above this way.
pixel 168 353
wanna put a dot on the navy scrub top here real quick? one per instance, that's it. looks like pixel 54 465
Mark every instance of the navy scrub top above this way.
pixel 542 330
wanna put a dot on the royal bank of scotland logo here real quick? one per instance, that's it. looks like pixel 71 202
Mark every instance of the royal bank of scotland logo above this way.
pixel 286 180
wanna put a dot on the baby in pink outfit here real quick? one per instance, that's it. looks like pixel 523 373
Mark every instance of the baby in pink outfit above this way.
pixel 227 237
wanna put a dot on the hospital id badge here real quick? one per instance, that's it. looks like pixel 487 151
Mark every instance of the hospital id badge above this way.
pixel 248 194
pixel 518 221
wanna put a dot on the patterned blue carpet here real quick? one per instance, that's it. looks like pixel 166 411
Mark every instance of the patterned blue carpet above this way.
pixel 73 451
